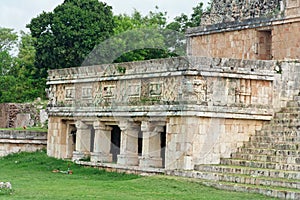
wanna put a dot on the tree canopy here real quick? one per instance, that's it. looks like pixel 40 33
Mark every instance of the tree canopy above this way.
pixel 65 36
pixel 68 35
pixel 19 80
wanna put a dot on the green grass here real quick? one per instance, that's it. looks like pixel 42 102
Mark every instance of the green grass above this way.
pixel 32 178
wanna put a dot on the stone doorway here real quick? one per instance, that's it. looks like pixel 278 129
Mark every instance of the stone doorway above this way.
pixel 264 50
pixel 71 140
pixel 115 142
pixel 140 143
pixel 163 137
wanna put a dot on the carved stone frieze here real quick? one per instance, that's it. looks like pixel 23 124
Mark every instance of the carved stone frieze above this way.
pixel 200 90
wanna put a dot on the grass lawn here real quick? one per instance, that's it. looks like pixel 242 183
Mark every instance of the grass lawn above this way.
pixel 31 177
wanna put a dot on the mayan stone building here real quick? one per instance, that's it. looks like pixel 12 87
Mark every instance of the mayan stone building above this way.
pixel 182 112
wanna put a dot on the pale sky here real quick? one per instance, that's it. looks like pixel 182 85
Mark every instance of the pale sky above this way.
pixel 17 13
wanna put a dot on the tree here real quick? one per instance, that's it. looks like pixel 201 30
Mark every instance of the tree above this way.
pixel 8 41
pixel 183 22
pixel 138 37
pixel 196 15
pixel 30 85
pixel 19 80
pixel 65 36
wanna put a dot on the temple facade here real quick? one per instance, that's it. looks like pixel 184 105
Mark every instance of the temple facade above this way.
pixel 180 112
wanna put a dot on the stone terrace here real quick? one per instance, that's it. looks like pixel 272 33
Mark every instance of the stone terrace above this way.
pixel 13 141
pixel 268 164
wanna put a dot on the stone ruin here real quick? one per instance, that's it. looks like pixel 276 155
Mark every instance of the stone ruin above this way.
pixel 237 10
pixel 16 115
pixel 227 112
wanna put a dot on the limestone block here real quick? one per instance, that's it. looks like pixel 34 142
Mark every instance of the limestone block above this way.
pixel 43 116
pixel 101 157
pixel 77 155
pixel 126 159
pixel 188 163
pixel 150 162
pixel 23 120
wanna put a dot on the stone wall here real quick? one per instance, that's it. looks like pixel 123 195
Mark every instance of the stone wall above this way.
pixel 207 106
pixel 292 8
pixel 15 115
pixel 59 141
pixel 201 140
pixel 286 40
pixel 255 39
pixel 286 83
pixel 189 96
pixel 16 141
pixel 184 83
pixel 238 10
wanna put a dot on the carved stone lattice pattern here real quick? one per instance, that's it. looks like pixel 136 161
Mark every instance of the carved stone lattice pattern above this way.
pixel 60 93
pixel 172 86
pixel 237 10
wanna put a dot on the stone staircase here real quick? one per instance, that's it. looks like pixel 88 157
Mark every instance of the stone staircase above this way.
pixel 269 163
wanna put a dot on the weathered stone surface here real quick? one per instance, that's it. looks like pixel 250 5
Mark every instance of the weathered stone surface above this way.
pixel 238 10
pixel 16 141
pixel 186 112
pixel 13 115
pixel 269 159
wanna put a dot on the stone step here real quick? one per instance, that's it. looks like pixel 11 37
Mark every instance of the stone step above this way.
pixel 275 139
pixel 269 145
pixel 293 103
pixel 286 132
pixel 260 164
pixel 277 120
pixel 252 184
pixel 283 117
pixel 255 172
pixel 268 158
pixel 280 127
pixel 246 179
pixel 296 98
pixel 277 192
pixel 290 109
pixel 274 152
pixel 286 115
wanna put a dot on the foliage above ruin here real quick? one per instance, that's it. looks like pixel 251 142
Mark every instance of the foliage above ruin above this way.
pixel 66 35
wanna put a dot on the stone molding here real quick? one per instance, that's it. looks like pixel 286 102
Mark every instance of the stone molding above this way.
pixel 16 141
pixel 177 66
pixel 81 125
pixel 259 113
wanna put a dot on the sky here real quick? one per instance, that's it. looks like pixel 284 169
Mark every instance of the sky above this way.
pixel 17 13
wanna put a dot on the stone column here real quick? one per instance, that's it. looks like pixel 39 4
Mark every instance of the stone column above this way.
pixel 102 143
pixel 129 144
pixel 151 153
pixel 83 141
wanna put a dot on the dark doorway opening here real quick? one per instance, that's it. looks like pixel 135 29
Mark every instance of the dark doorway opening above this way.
pixel 140 143
pixel 163 137
pixel 115 142
pixel 264 45
pixel 71 140
pixel 92 137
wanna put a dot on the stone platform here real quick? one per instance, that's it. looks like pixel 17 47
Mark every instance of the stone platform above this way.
pixel 268 164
